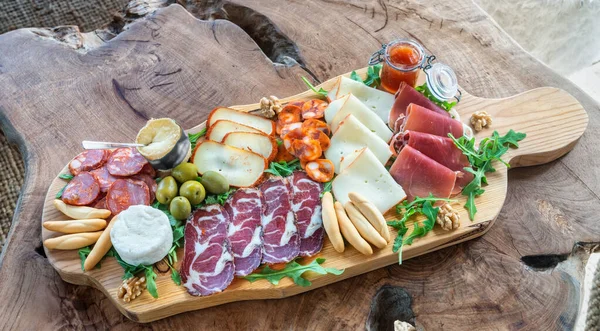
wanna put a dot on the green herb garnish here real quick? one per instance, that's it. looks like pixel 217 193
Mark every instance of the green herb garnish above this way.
pixel 294 270
pixel 283 168
pixel 218 198
pixel 321 91
pixel 66 177
pixel 193 137
pixel 372 80
pixel 326 187
pixel 424 89
pixel 481 159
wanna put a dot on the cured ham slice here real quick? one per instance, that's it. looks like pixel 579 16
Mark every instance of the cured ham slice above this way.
pixel 420 175
pixel 281 242
pixel 424 120
pixel 405 96
pixel 245 231
pixel 306 204
pixel 440 149
pixel 207 265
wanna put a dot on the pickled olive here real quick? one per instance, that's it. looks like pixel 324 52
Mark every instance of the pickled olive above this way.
pixel 166 190
pixel 184 172
pixel 317 124
pixel 314 109
pixel 214 182
pixel 180 208
pixel 320 170
pixel 193 191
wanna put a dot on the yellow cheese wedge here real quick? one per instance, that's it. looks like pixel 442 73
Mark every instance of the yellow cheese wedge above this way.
pixel 355 107
pixel 369 177
pixel 376 100
pixel 352 136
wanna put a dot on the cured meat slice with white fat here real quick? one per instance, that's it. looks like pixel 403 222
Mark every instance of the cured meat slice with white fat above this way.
pixel 245 231
pixel 306 204
pixel 207 265
pixel 281 242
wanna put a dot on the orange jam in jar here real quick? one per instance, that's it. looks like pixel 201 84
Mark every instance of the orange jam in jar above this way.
pixel 403 61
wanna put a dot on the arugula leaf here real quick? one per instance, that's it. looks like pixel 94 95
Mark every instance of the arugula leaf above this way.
pixel 372 80
pixel 193 137
pixel 214 199
pixel 321 91
pixel 424 89
pixel 490 149
pixel 283 168
pixel 294 270
pixel 66 177
pixel 59 193
pixel 151 281
pixel 355 76
pixel 83 254
pixel 175 276
pixel 326 188
pixel 178 228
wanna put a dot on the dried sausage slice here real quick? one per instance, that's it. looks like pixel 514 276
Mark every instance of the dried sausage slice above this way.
pixel 314 109
pixel 148 170
pixel 88 160
pixel 83 189
pixel 104 178
pixel 125 162
pixel 152 185
pixel 124 193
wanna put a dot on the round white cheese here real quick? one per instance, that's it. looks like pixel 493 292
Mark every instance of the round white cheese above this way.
pixel 142 235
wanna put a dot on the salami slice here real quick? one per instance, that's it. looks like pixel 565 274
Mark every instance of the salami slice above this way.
pixel 101 203
pixel 104 178
pixel 125 162
pixel 124 193
pixel 148 170
pixel 83 189
pixel 88 160
pixel 152 186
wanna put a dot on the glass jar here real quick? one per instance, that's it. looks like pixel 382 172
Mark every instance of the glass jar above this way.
pixel 403 61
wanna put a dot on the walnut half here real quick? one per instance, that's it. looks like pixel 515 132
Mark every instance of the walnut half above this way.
pixel 269 107
pixel 481 120
pixel 448 218
pixel 131 288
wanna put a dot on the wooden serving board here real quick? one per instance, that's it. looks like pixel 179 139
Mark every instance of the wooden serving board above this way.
pixel 552 119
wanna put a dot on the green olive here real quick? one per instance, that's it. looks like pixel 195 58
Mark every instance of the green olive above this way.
pixel 214 182
pixel 180 208
pixel 166 190
pixel 184 172
pixel 193 191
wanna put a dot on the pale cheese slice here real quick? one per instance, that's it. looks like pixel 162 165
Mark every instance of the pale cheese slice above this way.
pixel 369 177
pixel 355 107
pixel 352 136
pixel 376 100
pixel 221 128
pixel 257 122
pixel 334 107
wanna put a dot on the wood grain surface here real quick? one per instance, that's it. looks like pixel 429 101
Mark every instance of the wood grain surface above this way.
pixel 171 64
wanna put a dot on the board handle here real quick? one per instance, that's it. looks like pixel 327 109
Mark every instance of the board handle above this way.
pixel 552 119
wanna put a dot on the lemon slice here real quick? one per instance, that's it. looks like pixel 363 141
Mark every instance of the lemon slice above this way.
pixel 160 135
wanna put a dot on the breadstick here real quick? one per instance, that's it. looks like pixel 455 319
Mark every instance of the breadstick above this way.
pixel 349 231
pixel 371 213
pixel 101 247
pixel 72 241
pixel 366 230
pixel 76 226
pixel 330 223
pixel 80 212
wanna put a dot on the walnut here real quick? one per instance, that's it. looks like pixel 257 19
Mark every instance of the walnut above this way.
pixel 269 107
pixel 448 218
pixel 403 326
pixel 481 120
pixel 131 288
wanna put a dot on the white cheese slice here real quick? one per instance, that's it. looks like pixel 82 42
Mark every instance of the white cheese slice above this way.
pixel 376 100
pixel 353 106
pixel 369 177
pixel 352 136
pixel 254 121
pixel 221 128
pixel 334 107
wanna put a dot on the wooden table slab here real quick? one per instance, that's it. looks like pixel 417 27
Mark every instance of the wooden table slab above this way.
pixel 170 64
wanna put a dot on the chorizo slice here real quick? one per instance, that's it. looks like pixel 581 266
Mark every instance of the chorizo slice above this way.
pixel 317 124
pixel 82 190
pixel 289 127
pixel 319 136
pixel 298 103
pixel 152 185
pixel 148 170
pixel 283 154
pixel 125 162
pixel 320 170
pixel 124 193
pixel 104 178
pixel 314 108
pixel 307 149
pixel 88 160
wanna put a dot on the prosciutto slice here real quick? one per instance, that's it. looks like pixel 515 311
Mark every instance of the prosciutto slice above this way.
pixel 207 265
pixel 306 204
pixel 281 242
pixel 440 149
pixel 405 96
pixel 420 175
pixel 424 120
pixel 245 231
